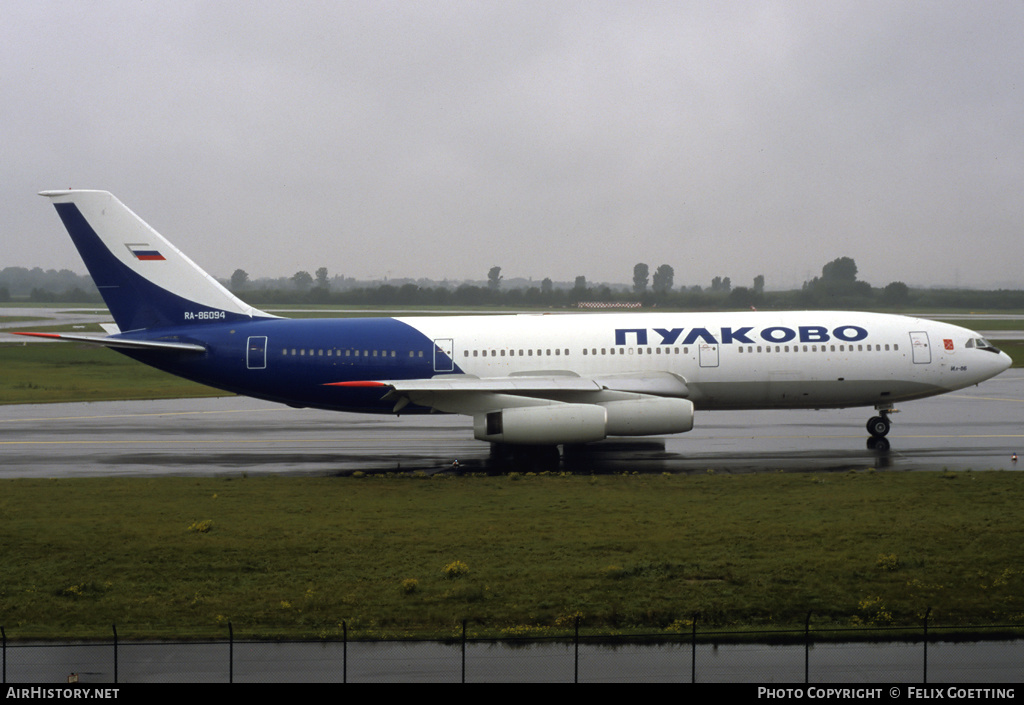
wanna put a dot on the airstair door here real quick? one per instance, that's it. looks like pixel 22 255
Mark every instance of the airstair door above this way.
pixel 443 355
pixel 919 345
pixel 708 353
pixel 256 352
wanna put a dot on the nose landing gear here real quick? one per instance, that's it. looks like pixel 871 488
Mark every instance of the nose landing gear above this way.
pixel 878 427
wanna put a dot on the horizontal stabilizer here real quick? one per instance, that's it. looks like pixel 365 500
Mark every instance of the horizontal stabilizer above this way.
pixel 120 342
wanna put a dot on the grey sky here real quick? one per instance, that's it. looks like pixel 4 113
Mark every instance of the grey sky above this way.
pixel 550 138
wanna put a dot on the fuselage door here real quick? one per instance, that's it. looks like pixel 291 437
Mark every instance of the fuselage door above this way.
pixel 919 345
pixel 708 353
pixel 256 352
pixel 444 355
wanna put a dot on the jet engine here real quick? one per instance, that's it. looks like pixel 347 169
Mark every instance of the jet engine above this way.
pixel 554 424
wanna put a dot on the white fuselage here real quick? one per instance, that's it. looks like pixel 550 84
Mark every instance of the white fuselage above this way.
pixel 740 360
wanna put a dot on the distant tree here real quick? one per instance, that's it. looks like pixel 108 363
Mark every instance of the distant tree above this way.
pixel 716 284
pixel 759 284
pixel 640 275
pixel 896 293
pixel 321 279
pixel 408 294
pixel 726 284
pixel 664 276
pixel 469 295
pixel 581 284
pixel 77 294
pixel 742 297
pixel 546 286
pixel 239 279
pixel 840 270
pixel 494 278
pixel 838 279
pixel 302 280
pixel 39 294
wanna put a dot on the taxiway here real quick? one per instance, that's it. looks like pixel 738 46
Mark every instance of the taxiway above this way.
pixel 980 428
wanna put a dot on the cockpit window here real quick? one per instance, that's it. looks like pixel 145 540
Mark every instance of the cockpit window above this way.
pixel 981 344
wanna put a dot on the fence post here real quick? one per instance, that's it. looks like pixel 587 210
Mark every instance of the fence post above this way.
pixel 576 658
pixel 463 651
pixel 231 653
pixel 693 650
pixel 807 648
pixel 927 612
pixel 114 628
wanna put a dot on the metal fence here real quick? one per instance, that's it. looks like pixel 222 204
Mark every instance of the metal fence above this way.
pixel 976 654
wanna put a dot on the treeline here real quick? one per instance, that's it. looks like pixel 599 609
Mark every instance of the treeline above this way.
pixel 694 298
pixel 836 288
pixel 49 285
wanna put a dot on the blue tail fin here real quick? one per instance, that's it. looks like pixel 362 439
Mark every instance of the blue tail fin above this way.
pixel 144 279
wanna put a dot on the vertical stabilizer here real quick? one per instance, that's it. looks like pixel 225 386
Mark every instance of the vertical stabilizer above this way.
pixel 144 279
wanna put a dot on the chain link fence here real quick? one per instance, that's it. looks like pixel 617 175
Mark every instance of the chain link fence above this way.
pixel 976 654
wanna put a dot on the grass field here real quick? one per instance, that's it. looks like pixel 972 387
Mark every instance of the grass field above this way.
pixel 63 372
pixel 514 554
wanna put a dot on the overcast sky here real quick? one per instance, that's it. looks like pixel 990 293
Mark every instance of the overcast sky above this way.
pixel 553 139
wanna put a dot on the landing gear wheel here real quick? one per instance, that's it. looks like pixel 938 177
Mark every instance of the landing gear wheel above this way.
pixel 878 426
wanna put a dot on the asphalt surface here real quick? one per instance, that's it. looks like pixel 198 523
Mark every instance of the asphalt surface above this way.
pixel 979 428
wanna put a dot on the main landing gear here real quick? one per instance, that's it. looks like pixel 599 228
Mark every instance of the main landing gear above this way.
pixel 878 427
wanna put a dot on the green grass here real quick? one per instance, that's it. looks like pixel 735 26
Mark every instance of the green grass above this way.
pixel 63 372
pixel 163 557
pixel 1013 348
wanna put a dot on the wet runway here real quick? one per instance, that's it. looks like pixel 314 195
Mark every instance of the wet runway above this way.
pixel 978 428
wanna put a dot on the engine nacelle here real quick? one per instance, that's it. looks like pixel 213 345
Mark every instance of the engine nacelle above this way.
pixel 542 425
pixel 649 417
pixel 555 424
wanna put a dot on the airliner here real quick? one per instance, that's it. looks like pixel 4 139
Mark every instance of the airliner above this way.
pixel 525 379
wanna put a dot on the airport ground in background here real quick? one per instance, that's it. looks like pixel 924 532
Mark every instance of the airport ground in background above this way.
pixel 394 555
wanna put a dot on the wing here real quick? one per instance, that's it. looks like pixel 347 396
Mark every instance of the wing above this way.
pixel 468 394
pixel 550 407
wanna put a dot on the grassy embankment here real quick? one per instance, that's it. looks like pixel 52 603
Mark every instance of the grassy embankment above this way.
pixel 178 557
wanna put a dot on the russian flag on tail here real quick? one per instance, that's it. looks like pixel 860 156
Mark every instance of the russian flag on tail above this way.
pixel 143 251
